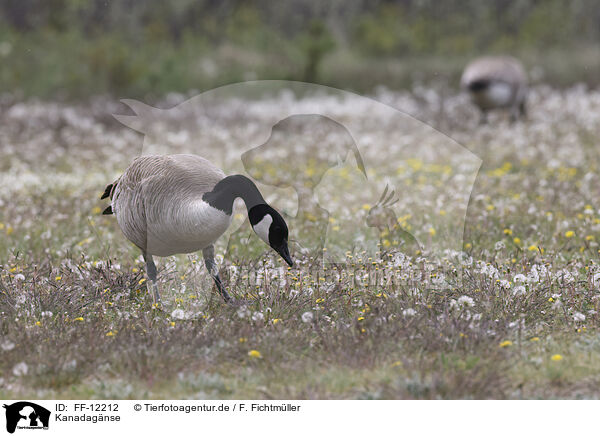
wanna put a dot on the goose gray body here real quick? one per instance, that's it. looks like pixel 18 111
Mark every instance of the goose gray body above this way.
pixel 496 82
pixel 159 207
pixel 183 203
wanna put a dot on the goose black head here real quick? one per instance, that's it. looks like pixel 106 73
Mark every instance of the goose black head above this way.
pixel 270 226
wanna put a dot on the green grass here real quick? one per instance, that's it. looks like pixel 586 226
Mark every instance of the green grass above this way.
pixel 75 312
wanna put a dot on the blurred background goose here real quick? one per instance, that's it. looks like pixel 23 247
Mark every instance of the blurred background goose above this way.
pixel 182 203
pixel 496 82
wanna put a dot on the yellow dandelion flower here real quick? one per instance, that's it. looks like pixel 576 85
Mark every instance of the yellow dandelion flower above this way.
pixel 589 238
pixel 111 333
pixel 254 354
pixel 319 300
pixel 517 241
pixel 508 232
pixel 366 206
pixel 556 358
pixel 13 269
pixel 534 339
pixel 276 320
pixel 38 323
pixel 360 318
pixel 172 323
pixel 80 318
pixel 532 248
pixel 432 231
pixel 505 344
pixel 58 278
pixel 569 234
pixel 242 340
pixel 9 230
pixel 141 281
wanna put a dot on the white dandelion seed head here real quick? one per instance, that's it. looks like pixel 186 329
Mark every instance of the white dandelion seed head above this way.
pixel 519 290
pixel 409 312
pixel 465 301
pixel 7 345
pixel 504 284
pixel 20 369
pixel 178 314
pixel 307 317
pixel 243 312
pixel 520 278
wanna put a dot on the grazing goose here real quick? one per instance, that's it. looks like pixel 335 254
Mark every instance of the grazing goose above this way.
pixel 496 82
pixel 182 203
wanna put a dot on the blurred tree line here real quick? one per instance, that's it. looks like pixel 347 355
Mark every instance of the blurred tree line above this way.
pixel 77 47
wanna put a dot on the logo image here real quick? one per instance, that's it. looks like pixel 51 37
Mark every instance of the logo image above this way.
pixel 26 415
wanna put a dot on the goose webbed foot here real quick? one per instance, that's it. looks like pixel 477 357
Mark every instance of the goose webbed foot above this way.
pixel 221 289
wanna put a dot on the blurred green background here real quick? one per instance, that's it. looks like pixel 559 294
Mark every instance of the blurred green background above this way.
pixel 70 49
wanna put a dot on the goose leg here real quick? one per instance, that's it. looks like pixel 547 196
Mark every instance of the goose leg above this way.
pixel 151 271
pixel 211 266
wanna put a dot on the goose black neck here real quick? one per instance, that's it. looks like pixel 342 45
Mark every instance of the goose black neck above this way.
pixel 231 187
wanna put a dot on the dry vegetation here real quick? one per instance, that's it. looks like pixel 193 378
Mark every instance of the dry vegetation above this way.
pixel 512 312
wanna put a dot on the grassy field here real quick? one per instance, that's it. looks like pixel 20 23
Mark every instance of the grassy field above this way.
pixel 509 313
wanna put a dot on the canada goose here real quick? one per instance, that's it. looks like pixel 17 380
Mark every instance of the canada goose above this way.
pixel 495 83
pixel 182 203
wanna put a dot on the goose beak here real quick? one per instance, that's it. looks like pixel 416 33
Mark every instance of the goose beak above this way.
pixel 284 252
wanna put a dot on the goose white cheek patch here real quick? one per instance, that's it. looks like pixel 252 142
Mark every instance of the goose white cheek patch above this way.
pixel 262 228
